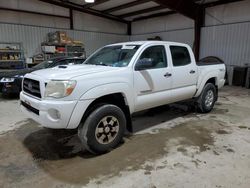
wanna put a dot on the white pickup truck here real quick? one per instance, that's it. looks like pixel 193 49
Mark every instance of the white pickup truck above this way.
pixel 99 96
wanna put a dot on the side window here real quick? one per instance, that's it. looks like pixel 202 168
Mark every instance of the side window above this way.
pixel 180 56
pixel 156 55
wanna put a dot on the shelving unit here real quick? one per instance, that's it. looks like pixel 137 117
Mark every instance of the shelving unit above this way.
pixel 58 50
pixel 60 44
pixel 11 56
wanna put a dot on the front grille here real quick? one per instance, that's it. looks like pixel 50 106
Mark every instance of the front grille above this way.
pixel 32 87
pixel 30 108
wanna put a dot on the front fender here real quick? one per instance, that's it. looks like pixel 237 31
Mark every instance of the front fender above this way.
pixel 94 93
pixel 110 88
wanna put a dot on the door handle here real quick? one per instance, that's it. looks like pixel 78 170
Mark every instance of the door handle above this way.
pixel 192 72
pixel 167 74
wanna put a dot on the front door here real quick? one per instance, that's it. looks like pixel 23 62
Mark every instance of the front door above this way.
pixel 152 84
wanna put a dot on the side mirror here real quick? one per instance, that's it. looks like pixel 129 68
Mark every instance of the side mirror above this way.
pixel 143 64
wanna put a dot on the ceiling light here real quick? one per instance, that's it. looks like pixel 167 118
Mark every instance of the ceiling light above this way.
pixel 89 1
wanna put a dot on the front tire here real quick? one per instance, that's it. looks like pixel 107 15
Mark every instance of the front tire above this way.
pixel 103 129
pixel 207 98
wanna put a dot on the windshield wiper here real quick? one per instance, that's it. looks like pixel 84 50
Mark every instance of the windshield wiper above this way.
pixel 102 64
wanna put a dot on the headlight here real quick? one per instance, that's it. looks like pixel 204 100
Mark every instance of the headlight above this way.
pixel 5 80
pixel 59 89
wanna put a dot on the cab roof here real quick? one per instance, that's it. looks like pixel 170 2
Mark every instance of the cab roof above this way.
pixel 148 42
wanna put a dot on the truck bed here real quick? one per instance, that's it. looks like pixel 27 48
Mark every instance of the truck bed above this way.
pixel 208 63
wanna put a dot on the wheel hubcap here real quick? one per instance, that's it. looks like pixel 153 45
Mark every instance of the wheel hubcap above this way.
pixel 107 129
pixel 209 99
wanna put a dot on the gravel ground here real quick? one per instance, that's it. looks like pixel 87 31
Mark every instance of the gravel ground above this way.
pixel 170 147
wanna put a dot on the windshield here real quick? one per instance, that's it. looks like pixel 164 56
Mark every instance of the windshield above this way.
pixel 114 56
pixel 43 65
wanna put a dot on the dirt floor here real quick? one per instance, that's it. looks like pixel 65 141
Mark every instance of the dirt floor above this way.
pixel 170 147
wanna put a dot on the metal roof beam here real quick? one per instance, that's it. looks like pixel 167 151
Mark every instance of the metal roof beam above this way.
pixel 33 12
pixel 127 5
pixel 186 7
pixel 221 2
pixel 143 11
pixel 81 9
pixel 155 15
pixel 97 2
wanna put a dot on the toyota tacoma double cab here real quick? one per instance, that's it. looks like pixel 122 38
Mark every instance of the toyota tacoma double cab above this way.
pixel 99 96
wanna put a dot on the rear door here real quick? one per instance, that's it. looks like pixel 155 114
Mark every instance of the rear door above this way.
pixel 153 85
pixel 184 73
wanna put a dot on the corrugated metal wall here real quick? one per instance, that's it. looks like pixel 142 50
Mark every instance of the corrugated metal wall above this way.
pixel 229 42
pixel 83 21
pixel 32 36
pixel 181 35
pixel 226 34
pixel 94 40
pixel 174 27
pixel 228 13
pixel 162 24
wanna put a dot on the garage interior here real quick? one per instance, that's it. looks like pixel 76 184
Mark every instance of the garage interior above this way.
pixel 171 146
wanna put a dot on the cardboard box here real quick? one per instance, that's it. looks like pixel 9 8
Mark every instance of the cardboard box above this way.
pixel 49 49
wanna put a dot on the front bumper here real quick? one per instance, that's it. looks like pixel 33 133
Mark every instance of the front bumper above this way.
pixel 54 114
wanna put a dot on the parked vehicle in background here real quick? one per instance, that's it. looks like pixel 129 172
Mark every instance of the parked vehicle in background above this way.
pixel 98 97
pixel 11 81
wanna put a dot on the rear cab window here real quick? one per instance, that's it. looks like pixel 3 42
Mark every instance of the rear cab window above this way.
pixel 180 56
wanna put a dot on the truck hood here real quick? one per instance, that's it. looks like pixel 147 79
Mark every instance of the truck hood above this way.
pixel 67 72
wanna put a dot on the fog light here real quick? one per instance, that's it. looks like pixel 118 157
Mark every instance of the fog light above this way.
pixel 54 114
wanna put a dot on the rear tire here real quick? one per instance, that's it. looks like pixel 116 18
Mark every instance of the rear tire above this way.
pixel 207 99
pixel 103 129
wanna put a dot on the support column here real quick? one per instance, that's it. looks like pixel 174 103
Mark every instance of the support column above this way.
pixel 129 29
pixel 199 22
pixel 71 19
